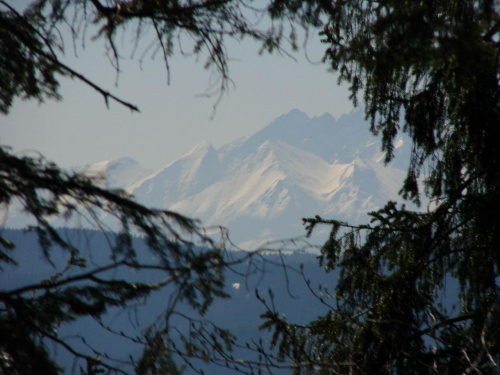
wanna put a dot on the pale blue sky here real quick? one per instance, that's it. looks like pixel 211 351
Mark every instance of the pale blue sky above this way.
pixel 80 129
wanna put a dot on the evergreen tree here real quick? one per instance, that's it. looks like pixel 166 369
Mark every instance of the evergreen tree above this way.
pixel 32 46
pixel 90 282
pixel 418 292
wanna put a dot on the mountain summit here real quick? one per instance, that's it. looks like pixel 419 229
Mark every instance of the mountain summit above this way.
pixel 262 186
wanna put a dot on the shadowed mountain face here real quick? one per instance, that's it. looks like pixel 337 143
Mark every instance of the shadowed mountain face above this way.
pixel 262 186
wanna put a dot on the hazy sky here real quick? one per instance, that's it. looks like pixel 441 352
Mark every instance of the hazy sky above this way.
pixel 80 129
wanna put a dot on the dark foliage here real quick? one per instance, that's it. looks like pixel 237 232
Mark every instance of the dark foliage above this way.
pixel 195 341
pixel 85 285
pixel 418 291
pixel 33 38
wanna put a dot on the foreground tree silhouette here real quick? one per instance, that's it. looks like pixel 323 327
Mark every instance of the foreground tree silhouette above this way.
pixel 418 291
pixel 32 47
pixel 32 314
pixel 429 68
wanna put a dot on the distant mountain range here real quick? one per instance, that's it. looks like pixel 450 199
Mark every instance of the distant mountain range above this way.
pixel 260 187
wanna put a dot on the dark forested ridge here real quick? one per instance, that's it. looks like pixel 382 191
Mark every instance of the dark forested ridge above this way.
pixel 292 285
pixel 284 274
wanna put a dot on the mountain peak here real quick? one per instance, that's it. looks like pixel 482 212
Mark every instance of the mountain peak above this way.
pixel 260 187
pixel 291 120
pixel 200 149
pixel 192 157
pixel 293 114
pixel 117 173
pixel 324 118
pixel 111 163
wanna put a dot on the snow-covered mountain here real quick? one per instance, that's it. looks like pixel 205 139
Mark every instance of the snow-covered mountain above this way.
pixel 116 173
pixel 262 186
pixel 187 176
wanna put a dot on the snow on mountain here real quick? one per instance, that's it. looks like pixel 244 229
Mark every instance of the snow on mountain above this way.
pixel 335 141
pixel 111 174
pixel 261 186
pixel 266 195
pixel 190 174
pixel 116 173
